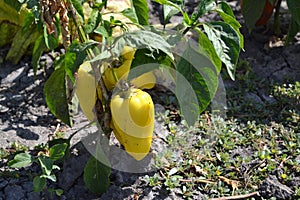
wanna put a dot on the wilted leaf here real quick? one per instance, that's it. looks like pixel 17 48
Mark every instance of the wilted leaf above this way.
pixel 23 39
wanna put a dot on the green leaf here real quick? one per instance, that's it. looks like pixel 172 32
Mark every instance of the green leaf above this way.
pixel 144 56
pixel 70 67
pixel 202 76
pixel 227 15
pixel 51 177
pixel 204 7
pixel 46 164
pixel 130 14
pixel 226 41
pixel 169 11
pixel 102 31
pixel 96 173
pixel 145 39
pixel 141 10
pixel 207 48
pixel 39 184
pixel 223 5
pixel 55 167
pixel 21 160
pixel 50 40
pixel 56 97
pixel 294 28
pixel 294 8
pixel 59 192
pixel 78 7
pixel 38 49
pixel 252 10
pixel 103 56
pixel 93 21
pixel 57 151
pixel 161 1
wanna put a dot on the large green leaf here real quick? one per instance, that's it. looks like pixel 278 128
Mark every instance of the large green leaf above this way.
pixel 141 10
pixel 130 14
pixel 294 8
pixel 144 39
pixel 70 67
pixel 56 97
pixel 252 10
pixel 226 41
pixel 204 7
pixel 207 48
pixel 96 173
pixel 202 75
pixel 227 15
pixel 21 160
pixel 145 56
pixel 294 28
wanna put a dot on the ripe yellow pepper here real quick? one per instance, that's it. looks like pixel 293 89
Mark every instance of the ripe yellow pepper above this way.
pixel 133 121
pixel 144 81
pixel 128 53
pixel 120 72
pixel 86 90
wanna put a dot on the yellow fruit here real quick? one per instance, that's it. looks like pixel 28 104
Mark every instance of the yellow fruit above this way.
pixel 120 72
pixel 86 90
pixel 133 121
pixel 145 81
pixel 128 53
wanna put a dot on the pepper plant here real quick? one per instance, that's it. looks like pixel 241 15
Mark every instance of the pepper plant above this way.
pixel 257 13
pixel 95 48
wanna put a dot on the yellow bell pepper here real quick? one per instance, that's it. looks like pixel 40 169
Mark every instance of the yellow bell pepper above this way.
pixel 133 121
pixel 86 90
pixel 128 53
pixel 144 81
pixel 120 72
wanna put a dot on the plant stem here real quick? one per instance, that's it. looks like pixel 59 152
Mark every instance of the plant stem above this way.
pixel 95 67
